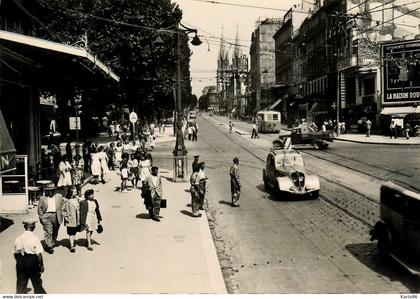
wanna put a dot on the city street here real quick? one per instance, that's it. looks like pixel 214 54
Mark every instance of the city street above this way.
pixel 273 246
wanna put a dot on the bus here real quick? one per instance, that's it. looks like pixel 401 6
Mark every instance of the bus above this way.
pixel 268 121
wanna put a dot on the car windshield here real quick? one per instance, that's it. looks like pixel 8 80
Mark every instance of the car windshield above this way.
pixel 290 160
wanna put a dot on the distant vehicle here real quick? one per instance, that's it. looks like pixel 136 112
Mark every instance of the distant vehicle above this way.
pixel 398 231
pixel 269 121
pixel 307 133
pixel 210 110
pixel 285 173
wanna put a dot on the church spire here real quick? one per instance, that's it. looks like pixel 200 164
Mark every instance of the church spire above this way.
pixel 237 49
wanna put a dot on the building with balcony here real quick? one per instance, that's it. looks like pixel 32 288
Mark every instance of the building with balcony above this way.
pixel 262 67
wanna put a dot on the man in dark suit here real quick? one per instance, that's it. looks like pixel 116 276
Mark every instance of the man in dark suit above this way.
pixel 49 212
pixel 153 193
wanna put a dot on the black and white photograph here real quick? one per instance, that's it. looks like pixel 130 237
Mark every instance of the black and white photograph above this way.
pixel 209 147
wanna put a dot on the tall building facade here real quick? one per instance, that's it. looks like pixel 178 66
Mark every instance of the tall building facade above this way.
pixel 262 70
pixel 328 66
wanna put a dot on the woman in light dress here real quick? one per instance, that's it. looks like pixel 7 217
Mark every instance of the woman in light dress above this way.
pixel 95 166
pixel 71 216
pixel 118 153
pixel 64 179
pixel 144 168
pixel 90 216
pixel 103 158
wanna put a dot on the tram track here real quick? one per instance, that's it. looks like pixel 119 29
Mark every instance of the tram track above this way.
pixel 322 197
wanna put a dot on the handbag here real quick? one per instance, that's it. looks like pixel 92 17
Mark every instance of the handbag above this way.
pixel 100 229
pixel 163 203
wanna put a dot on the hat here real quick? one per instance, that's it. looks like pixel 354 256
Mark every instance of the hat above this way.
pixel 197 156
pixel 235 160
pixel 77 145
pixel 50 187
pixel 155 168
pixel 29 222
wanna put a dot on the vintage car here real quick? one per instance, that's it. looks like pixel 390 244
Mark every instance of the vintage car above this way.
pixel 308 133
pixel 398 230
pixel 285 173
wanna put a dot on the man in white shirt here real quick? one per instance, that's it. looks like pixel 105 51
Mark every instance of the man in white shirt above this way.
pixel 29 262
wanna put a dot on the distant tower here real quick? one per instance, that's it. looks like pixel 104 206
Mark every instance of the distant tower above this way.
pixel 222 71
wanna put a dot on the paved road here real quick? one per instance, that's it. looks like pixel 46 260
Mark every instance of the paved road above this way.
pixel 273 246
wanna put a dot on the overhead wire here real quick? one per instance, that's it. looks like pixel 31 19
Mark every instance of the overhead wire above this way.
pixel 249 6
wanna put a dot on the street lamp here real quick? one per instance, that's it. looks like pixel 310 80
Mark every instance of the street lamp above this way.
pixel 180 153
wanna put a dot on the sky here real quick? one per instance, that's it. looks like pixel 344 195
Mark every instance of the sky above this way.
pixel 209 18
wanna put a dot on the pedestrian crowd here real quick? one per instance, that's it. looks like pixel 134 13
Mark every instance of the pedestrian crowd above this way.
pixel 77 214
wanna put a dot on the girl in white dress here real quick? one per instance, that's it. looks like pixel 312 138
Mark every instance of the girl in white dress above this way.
pixel 95 166
pixel 65 175
pixel 103 158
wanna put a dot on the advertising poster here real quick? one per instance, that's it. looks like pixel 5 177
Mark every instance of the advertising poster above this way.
pixel 401 75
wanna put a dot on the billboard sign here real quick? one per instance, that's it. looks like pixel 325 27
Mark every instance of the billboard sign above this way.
pixel 401 72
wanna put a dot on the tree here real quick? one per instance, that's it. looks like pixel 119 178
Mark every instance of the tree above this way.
pixel 122 34
pixel 203 102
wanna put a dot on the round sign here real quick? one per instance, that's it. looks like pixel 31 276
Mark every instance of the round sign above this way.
pixel 133 117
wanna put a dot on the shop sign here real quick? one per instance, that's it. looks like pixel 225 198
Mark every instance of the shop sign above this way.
pixel 401 71
pixel 7 161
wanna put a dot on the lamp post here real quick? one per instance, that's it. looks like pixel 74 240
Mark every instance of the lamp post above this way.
pixel 180 153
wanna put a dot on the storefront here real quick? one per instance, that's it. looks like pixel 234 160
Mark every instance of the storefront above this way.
pixel 30 65
pixel 13 175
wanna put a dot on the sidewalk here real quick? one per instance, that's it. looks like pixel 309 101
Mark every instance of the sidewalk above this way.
pixel 357 138
pixel 378 139
pixel 161 137
pixel 134 254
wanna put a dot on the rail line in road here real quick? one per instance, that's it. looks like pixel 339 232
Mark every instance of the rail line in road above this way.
pixel 322 197
pixel 320 156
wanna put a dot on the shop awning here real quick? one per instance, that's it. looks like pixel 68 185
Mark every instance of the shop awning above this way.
pixel 274 105
pixel 38 48
pixel 319 108
pixel 7 148
pixel 400 111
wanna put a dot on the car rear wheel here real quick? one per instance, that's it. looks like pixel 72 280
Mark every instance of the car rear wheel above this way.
pixel 317 145
pixel 266 185
pixel 384 244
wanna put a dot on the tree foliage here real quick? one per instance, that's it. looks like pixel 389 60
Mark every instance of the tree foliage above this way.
pixel 122 34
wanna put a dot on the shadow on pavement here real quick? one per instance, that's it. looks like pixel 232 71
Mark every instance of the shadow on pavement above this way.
pixel 261 188
pixel 5 223
pixel 188 213
pixel 64 243
pixel 368 255
pixel 224 202
pixel 143 216
pixel 189 205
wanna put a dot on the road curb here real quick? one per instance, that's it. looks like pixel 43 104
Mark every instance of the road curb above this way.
pixel 373 142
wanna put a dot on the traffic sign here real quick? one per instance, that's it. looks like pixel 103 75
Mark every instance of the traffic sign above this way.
pixel 74 123
pixel 133 117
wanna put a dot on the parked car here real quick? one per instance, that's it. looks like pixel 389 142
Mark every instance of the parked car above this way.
pixel 285 173
pixel 398 230
pixel 307 133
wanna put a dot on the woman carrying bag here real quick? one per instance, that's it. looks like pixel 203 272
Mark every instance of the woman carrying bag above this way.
pixel 90 216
